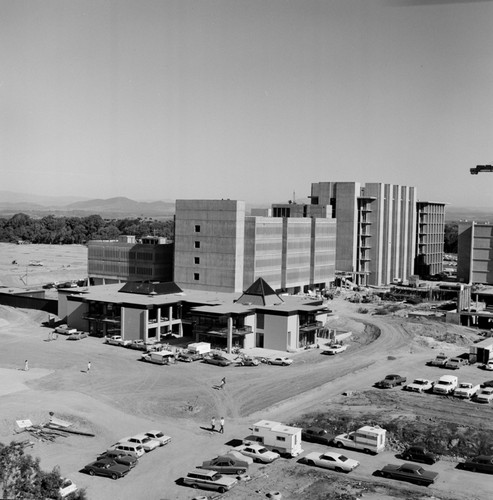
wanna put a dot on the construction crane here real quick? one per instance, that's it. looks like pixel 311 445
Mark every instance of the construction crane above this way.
pixel 481 168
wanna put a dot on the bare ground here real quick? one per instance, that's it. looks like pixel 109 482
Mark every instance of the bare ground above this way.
pixel 122 396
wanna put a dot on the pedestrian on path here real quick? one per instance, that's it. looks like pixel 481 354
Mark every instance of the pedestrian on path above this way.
pixel 88 367
pixel 221 430
pixel 26 365
pixel 213 424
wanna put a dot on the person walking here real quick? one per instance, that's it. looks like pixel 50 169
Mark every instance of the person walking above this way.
pixel 26 365
pixel 221 422
pixel 223 383
pixel 88 367
pixel 213 424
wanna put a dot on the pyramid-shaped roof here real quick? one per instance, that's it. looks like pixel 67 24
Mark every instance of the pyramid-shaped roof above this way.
pixel 151 288
pixel 260 293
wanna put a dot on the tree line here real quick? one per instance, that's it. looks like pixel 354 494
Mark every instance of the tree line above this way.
pixel 78 230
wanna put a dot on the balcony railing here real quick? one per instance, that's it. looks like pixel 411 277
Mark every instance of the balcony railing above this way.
pixel 221 330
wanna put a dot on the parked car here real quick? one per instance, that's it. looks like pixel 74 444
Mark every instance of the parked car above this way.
pixel 440 360
pixel 145 441
pixel 419 454
pixel 419 385
pixel 487 383
pixel 67 487
pixel 158 436
pixel 65 330
pixel 136 450
pixel 248 361
pixel 232 462
pixel 485 395
pixel 408 472
pixel 488 366
pixel 331 460
pixel 316 435
pixel 188 356
pixel 455 363
pixel 480 463
pixel 120 457
pixel 117 340
pixel 280 361
pixel 138 344
pixel 107 468
pixel 334 349
pixel 78 336
pixel 258 452
pixel 217 359
pixel 209 480
pixel 391 381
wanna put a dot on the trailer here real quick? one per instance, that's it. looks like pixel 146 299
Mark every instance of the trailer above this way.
pixel 199 348
pixel 275 436
pixel 367 438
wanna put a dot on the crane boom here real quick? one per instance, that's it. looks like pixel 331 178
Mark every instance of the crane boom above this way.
pixel 481 168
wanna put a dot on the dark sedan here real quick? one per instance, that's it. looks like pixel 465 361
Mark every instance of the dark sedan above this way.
pixel 391 381
pixel 481 463
pixel 419 454
pixel 107 468
pixel 217 360
pixel 411 473
pixel 316 435
pixel 120 458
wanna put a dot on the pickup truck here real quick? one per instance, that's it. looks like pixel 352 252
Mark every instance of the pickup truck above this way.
pixel 117 340
pixel 440 360
pixel 455 363
pixel 446 385
pixel 419 385
pixel 466 390
pixel 391 381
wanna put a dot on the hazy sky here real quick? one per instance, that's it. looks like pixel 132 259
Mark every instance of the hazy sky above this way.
pixel 250 99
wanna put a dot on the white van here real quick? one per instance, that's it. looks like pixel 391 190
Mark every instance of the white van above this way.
pixel 132 449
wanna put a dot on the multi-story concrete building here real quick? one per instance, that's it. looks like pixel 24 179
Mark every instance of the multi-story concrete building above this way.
pixel 150 259
pixel 474 254
pixel 218 247
pixel 376 229
pixel 429 241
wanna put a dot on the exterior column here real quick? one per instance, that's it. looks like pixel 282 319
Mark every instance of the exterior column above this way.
pixel 230 334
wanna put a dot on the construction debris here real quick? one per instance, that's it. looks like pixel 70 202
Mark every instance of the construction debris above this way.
pixel 50 431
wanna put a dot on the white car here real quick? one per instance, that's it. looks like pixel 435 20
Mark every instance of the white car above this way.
pixel 117 340
pixel 280 361
pixel 335 348
pixel 485 395
pixel 145 441
pixel 158 436
pixel 67 487
pixel 488 366
pixel 419 385
pixel 65 330
pixel 258 452
pixel 331 460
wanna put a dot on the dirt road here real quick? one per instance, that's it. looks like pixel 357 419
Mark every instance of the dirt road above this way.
pixel 122 396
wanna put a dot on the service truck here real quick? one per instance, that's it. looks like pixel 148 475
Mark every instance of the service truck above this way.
pixel 440 360
pixel 446 385
pixel 159 357
pixel 466 390
pixel 367 438
pixel 275 436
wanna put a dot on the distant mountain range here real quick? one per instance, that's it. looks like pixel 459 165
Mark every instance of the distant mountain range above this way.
pixel 112 208
pixel 121 207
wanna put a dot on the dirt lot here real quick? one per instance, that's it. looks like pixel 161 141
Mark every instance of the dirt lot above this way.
pixel 58 263
pixel 122 396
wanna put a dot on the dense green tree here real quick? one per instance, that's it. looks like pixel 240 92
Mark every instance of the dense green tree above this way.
pixel 451 237
pixel 70 230
pixel 22 478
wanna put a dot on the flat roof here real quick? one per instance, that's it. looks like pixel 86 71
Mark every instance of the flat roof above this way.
pixel 207 302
